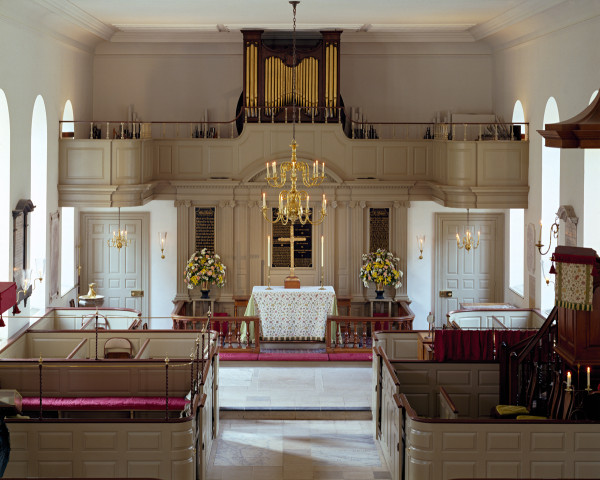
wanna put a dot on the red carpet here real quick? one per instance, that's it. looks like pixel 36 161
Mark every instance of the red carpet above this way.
pixel 296 357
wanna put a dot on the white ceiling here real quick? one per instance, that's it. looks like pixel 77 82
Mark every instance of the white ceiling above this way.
pixel 92 21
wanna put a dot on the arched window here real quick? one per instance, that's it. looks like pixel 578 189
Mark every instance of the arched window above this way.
pixel 591 205
pixel 517 230
pixel 68 129
pixel 5 220
pixel 39 167
pixel 550 199
pixel 67 222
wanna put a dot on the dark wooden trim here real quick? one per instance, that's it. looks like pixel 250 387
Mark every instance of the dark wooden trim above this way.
pixel 448 400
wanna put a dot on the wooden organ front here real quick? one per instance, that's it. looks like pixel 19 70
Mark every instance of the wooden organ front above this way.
pixel 268 76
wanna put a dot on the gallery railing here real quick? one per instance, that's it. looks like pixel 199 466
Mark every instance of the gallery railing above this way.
pixel 355 129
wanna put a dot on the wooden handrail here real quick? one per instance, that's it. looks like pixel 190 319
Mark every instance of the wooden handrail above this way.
pixel 448 400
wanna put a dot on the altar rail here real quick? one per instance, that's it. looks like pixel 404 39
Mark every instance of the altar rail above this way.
pixel 373 130
pixel 234 334
pixel 355 334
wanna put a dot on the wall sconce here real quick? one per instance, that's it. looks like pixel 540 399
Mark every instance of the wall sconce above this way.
pixel 24 278
pixel 553 233
pixel 162 240
pixel 420 242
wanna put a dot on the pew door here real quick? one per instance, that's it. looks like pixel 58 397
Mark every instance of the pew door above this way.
pixel 117 273
pixel 474 276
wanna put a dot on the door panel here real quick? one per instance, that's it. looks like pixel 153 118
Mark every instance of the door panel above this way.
pixel 472 276
pixel 115 271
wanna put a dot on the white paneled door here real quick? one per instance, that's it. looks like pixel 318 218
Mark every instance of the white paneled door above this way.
pixel 474 276
pixel 119 274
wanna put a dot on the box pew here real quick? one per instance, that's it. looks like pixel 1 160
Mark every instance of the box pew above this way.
pixel 75 318
pixel 511 318
pixel 418 443
pixel 399 345
pixel 91 442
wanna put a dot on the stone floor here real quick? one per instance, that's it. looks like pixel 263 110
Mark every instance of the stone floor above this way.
pixel 250 446
pixel 296 449
pixel 292 385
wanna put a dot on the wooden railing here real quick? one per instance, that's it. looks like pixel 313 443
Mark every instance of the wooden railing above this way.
pixel 531 359
pixel 235 334
pixel 355 334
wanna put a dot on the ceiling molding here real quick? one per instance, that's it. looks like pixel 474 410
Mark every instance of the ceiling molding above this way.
pixel 376 33
pixel 512 17
pixel 71 13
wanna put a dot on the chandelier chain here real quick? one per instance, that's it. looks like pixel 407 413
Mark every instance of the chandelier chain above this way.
pixel 294 3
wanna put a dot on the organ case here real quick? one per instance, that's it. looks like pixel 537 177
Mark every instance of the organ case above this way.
pixel 268 73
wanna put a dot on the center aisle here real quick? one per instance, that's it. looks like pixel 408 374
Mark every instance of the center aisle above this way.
pixel 296 449
pixel 306 386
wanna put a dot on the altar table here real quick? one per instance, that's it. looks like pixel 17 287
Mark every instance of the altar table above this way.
pixel 292 313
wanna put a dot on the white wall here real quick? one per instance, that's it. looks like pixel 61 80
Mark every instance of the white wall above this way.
pixel 34 64
pixel 401 82
pixel 557 64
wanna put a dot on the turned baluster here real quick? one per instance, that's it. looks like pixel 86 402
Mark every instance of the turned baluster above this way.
pixel 238 334
pixel 355 336
pixel 364 335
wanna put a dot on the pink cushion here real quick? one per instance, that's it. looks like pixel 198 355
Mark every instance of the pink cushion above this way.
pixel 243 357
pixel 220 314
pixel 294 357
pixel 350 357
pixel 103 403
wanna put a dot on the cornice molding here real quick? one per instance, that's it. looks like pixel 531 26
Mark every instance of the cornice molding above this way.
pixel 511 17
pixel 70 12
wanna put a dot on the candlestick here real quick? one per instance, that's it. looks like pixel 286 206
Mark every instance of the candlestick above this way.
pixel 540 239
pixel 323 174
pixel 267 169
pixel 322 249
pixel 269 262
pixel 264 199
pixel 568 381
pixel 307 202
pixel 588 370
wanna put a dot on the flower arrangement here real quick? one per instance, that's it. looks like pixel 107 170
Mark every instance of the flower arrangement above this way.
pixel 380 267
pixel 204 266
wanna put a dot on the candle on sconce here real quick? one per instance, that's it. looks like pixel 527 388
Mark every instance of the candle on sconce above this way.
pixel 269 250
pixel 267 169
pixel 307 203
pixel 588 370
pixel 540 239
pixel 322 174
pixel 274 169
pixel 322 257
pixel 264 199
pixel 568 380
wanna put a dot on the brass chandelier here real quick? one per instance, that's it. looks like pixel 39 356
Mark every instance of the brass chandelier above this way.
pixel 119 238
pixel 468 242
pixel 293 205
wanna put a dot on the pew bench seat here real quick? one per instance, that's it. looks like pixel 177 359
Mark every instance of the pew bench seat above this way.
pixel 131 404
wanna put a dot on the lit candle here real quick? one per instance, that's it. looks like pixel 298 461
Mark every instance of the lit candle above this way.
pixel 307 202
pixel 457 238
pixel 568 380
pixel 325 209
pixel 323 250
pixel 267 169
pixel 264 200
pixel 323 174
pixel 588 376
pixel 540 241
pixel 274 169
pixel 478 233
pixel 269 250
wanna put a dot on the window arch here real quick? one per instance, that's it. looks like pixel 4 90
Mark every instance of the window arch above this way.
pixel 5 221
pixel 68 129
pixel 591 205
pixel 39 167
pixel 517 230
pixel 550 198
pixel 67 221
